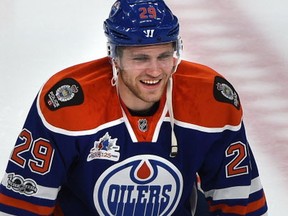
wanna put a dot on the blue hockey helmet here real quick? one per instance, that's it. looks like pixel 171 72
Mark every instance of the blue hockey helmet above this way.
pixel 140 22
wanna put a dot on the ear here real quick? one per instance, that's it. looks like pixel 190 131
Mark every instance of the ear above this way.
pixel 117 63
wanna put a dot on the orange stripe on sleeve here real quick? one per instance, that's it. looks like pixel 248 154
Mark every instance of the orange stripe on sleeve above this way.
pixel 256 205
pixel 241 210
pixel 20 204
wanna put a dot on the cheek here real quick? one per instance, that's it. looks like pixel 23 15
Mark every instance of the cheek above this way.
pixel 124 67
pixel 169 71
pixel 127 76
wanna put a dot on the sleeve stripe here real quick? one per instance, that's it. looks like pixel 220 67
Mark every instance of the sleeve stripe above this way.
pixel 20 204
pixel 42 192
pixel 4 214
pixel 237 192
pixel 241 210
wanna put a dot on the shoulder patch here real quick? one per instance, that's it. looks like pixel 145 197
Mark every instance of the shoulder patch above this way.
pixel 66 92
pixel 224 92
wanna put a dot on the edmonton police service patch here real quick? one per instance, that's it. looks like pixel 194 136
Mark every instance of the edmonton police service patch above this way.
pixel 66 92
pixel 224 92
pixel 138 186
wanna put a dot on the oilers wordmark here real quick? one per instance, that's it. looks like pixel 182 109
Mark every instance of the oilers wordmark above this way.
pixel 141 200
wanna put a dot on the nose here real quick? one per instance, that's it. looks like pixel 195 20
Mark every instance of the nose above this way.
pixel 154 67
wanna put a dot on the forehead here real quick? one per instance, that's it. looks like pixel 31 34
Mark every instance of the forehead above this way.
pixel 148 49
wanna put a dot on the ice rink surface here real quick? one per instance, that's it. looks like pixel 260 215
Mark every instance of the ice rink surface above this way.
pixel 244 40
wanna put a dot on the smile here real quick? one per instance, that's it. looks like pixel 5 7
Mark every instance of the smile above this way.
pixel 150 82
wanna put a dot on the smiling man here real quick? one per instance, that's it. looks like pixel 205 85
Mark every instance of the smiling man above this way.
pixel 136 133
pixel 144 73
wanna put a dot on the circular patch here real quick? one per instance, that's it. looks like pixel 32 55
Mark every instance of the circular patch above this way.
pixel 224 92
pixel 66 92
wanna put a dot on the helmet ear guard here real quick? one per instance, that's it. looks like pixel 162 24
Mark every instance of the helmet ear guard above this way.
pixel 178 51
pixel 111 50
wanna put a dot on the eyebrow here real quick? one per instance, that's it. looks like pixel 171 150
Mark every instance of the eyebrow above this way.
pixel 167 53
pixel 143 55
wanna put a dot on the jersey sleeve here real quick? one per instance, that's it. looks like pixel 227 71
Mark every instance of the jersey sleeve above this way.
pixel 48 147
pixel 230 178
pixel 228 173
pixel 36 169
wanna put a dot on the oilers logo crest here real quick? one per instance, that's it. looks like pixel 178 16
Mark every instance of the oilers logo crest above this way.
pixel 139 186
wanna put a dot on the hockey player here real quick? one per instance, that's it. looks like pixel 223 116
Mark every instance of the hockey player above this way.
pixel 130 133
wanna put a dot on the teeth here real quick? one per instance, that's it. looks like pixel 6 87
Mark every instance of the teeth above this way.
pixel 151 82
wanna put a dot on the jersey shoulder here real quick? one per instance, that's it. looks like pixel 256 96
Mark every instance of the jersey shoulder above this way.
pixel 76 98
pixel 204 97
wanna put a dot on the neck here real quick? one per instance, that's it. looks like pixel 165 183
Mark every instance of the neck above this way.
pixel 146 112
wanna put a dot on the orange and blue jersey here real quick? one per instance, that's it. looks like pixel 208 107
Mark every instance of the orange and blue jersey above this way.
pixel 81 152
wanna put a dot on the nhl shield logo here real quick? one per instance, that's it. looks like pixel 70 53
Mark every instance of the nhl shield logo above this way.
pixel 143 125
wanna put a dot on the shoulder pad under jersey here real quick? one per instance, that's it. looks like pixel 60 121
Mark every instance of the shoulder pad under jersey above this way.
pixel 79 98
pixel 203 97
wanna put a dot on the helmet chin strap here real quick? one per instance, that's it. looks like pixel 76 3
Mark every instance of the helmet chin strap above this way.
pixel 114 79
pixel 174 145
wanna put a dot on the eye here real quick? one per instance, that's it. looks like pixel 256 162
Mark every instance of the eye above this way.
pixel 165 56
pixel 141 58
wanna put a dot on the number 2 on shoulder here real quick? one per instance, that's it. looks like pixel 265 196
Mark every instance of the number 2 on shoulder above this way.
pixel 238 152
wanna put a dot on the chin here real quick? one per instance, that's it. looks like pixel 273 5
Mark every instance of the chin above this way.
pixel 152 99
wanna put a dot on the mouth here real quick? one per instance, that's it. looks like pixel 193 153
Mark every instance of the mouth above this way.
pixel 150 82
